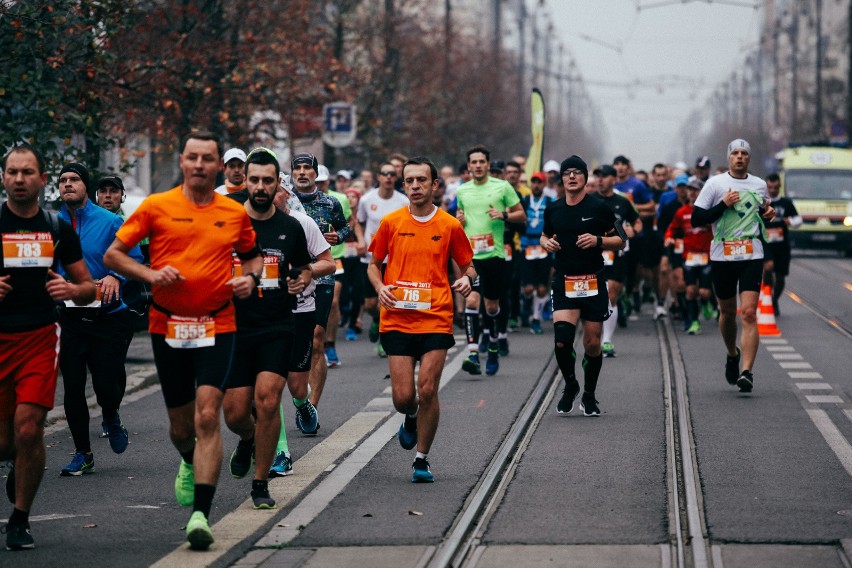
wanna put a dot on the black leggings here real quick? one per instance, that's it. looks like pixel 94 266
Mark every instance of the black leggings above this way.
pixel 100 345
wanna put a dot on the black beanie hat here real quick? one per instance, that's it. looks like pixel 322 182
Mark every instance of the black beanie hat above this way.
pixel 574 162
pixel 78 169
pixel 305 158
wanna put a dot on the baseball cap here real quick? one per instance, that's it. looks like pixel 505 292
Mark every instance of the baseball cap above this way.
pixel 234 153
pixel 497 166
pixel 540 176
pixel 695 183
pixel 551 166
pixel 681 179
pixel 620 159
pixel 322 172
pixel 607 170
pixel 111 179
pixel 702 162
pixel 345 174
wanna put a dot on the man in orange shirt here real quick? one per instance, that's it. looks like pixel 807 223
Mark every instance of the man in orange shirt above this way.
pixel 192 232
pixel 415 294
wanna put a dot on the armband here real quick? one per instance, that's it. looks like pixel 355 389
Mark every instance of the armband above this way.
pixel 469 280
pixel 619 230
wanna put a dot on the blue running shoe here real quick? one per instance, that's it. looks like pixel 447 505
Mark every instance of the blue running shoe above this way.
pixel 331 357
pixel 503 346
pixel 407 438
pixel 492 363
pixel 307 419
pixel 421 472
pixel 471 364
pixel 535 327
pixel 351 334
pixel 282 466
pixel 81 463
pixel 118 436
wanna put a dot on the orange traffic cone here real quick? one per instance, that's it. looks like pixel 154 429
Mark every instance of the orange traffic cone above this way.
pixel 766 314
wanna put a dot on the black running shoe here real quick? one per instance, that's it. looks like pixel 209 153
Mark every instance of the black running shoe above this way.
pixel 732 368
pixel 18 537
pixel 242 459
pixel 745 381
pixel 569 395
pixel 589 405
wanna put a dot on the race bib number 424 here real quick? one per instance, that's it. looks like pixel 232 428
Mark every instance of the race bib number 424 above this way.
pixel 583 286
pixel 27 250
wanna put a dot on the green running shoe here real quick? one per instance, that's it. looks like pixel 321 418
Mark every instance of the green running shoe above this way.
pixel 198 533
pixel 608 349
pixel 694 328
pixel 381 350
pixel 185 485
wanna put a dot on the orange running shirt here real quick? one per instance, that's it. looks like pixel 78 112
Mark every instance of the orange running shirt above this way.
pixel 197 241
pixel 418 255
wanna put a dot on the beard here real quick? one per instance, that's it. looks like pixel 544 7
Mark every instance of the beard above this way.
pixel 262 206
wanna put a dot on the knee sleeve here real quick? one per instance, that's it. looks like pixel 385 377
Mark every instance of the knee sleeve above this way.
pixel 563 333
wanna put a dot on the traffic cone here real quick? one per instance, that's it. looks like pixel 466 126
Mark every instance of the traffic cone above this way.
pixel 766 314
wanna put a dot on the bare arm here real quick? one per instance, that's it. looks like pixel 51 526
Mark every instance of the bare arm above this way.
pixel 81 288
pixel 324 265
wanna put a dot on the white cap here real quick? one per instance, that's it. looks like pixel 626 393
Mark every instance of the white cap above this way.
pixel 345 174
pixel 738 144
pixel 551 166
pixel 322 173
pixel 681 165
pixel 234 153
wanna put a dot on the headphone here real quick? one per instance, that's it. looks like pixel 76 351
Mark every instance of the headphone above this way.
pixel 98 197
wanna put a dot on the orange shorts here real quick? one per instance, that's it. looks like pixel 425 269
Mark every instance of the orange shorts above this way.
pixel 29 367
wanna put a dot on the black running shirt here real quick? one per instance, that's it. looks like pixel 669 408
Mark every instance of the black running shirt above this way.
pixel 567 222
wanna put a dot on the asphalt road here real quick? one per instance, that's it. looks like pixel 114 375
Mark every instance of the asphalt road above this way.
pixel 773 467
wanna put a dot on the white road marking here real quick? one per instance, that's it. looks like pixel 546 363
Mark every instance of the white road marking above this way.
pixel 773 340
pixel 779 348
pixel 814 386
pixel 787 356
pixel 805 375
pixel 795 365
pixel 51 517
pixel 824 399
pixel 833 437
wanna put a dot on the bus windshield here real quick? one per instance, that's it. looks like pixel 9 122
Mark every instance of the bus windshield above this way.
pixel 818 184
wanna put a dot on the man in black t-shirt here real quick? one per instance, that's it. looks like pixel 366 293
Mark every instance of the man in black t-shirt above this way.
pixel 576 229
pixel 265 328
pixel 33 241
pixel 776 265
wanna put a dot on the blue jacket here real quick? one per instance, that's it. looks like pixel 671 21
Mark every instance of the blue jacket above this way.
pixel 97 227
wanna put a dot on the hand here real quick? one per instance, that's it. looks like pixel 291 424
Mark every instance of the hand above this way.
pixel 386 297
pixel 668 242
pixel 460 216
pixel 552 245
pixel 628 230
pixel 5 287
pixel 731 197
pixel 462 286
pixel 165 276
pixel 243 285
pixel 332 238
pixel 494 214
pixel 361 248
pixel 57 287
pixel 295 286
pixel 110 288
pixel 587 241
pixel 769 214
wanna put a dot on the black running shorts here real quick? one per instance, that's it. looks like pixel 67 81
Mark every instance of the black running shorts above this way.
pixel 730 274
pixel 181 371
pixel 415 344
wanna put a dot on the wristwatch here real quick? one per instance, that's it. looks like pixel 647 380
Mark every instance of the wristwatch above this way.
pixel 505 216
pixel 255 277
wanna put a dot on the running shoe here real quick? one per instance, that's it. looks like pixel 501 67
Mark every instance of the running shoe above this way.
pixel 745 381
pixel 660 312
pixel 512 325
pixel 732 367
pixel 19 537
pixel 261 499
pixel 471 364
pixel 185 485
pixel 242 459
pixel 282 466
pixel 380 351
pixel 569 395
pixel 421 472
pixel 694 328
pixel 707 310
pixel 351 334
pixel 503 347
pixel 118 436
pixel 535 327
pixel 198 533
pixel 374 331
pixel 407 438
pixel 10 482
pixel 608 349
pixel 492 362
pixel 331 357
pixel 307 418
pixel 589 405
pixel 81 463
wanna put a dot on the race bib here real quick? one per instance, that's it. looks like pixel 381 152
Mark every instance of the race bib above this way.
pixel 190 332
pixel 27 250
pixel 583 286
pixel 696 259
pixel 678 246
pixel 509 251
pixel 775 235
pixel 338 265
pixel 269 277
pixel 413 296
pixel 535 252
pixel 738 250
pixel 482 243
pixel 608 257
pixel 94 304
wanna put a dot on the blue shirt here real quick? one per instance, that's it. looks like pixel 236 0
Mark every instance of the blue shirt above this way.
pixel 534 208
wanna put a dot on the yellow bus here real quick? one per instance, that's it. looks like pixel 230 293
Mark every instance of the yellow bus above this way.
pixel 819 181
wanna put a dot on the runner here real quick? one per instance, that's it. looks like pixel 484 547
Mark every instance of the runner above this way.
pixel 485 204
pixel 415 294
pixel 265 330
pixel 193 231
pixel 96 336
pixel 235 172
pixel 33 241
pixel 371 210
pixel 735 202
pixel 670 202
pixel 615 263
pixel 535 262
pixel 576 229
pixel 638 193
pixel 696 257
pixel 777 264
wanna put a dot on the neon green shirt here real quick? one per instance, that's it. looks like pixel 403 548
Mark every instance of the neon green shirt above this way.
pixel 485 233
pixel 339 249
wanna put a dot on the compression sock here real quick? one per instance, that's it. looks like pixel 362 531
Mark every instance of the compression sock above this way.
pixel 490 321
pixel 592 370
pixel 681 302
pixel 187 456
pixel 471 324
pixel 692 309
pixel 203 498
pixel 563 333
pixel 282 445
pixel 610 323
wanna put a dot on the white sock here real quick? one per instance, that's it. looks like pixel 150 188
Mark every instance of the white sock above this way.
pixel 538 306
pixel 421 455
pixel 609 324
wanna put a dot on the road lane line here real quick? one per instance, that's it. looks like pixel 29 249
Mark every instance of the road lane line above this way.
pixel 780 348
pixel 795 365
pixel 805 375
pixel 824 399
pixel 787 356
pixel 773 340
pixel 814 386
pixel 839 445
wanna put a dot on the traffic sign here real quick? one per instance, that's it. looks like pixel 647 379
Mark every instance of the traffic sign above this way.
pixel 340 124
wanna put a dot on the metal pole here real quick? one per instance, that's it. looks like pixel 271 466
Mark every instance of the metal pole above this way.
pixel 818 118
